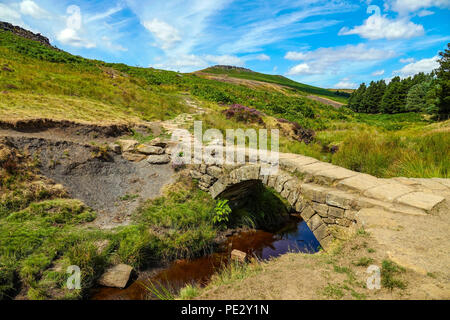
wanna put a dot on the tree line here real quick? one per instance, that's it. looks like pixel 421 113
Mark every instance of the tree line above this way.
pixel 427 93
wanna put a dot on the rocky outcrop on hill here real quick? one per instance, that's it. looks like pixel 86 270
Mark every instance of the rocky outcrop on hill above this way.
pixel 231 68
pixel 26 34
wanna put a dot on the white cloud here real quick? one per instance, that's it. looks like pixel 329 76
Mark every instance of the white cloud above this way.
pixel 325 63
pixel 302 68
pixel 378 73
pixel 109 44
pixel 406 6
pixel 167 35
pixel 292 55
pixel 10 15
pixel 106 14
pixel 30 8
pixel 345 84
pixel 424 13
pixel 225 60
pixel 424 65
pixel 182 63
pixel 381 27
pixel 406 60
pixel 324 60
pixel 260 57
pixel 70 35
pixel 177 25
pixel 185 63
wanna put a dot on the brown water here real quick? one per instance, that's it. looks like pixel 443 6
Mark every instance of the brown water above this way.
pixel 294 237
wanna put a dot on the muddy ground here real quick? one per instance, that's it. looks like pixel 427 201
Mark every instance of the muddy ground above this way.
pixel 76 156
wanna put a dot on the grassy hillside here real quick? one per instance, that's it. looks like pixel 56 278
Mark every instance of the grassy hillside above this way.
pixel 37 81
pixel 277 79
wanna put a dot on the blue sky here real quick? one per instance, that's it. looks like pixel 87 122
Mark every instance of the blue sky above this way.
pixel 334 44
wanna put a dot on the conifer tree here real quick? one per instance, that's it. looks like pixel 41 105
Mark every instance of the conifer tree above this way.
pixel 443 79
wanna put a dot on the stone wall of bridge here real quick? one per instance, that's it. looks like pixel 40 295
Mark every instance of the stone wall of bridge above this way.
pixel 327 197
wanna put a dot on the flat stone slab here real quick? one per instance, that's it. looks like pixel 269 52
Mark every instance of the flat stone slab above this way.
pixel 336 173
pixel 158 159
pixel 361 182
pixel 134 157
pixel 148 150
pixel 316 167
pixel 116 276
pixel 430 184
pixel 294 164
pixel 388 192
pixel 445 182
pixel 425 201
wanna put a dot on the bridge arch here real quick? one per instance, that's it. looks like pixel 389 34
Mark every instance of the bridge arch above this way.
pixel 325 213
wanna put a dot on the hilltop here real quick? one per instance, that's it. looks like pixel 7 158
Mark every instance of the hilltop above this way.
pixel 243 73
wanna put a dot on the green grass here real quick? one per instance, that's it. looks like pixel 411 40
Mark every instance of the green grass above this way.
pixel 402 154
pixel 189 292
pixel 277 79
pixel 53 84
pixel 234 272
pixel 389 275
pixel 363 262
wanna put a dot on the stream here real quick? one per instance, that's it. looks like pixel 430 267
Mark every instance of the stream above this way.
pixel 295 236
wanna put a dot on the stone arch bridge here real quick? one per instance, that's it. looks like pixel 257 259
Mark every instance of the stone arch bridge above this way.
pixel 329 198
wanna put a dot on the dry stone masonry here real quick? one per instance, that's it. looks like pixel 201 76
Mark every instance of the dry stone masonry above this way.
pixel 327 197
pixel 153 152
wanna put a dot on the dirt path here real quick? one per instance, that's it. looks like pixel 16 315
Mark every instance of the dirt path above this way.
pixel 326 101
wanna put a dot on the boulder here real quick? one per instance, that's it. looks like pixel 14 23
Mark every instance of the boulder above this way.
pixel 116 276
pixel 157 142
pixel 115 148
pixel 148 150
pixel 238 255
pixel 128 145
pixel 134 157
pixel 158 159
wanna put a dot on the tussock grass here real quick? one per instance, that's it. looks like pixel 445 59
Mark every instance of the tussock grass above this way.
pixel 389 275
pixel 189 292
pixel 397 154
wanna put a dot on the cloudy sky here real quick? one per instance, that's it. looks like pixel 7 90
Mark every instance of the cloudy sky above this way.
pixel 325 43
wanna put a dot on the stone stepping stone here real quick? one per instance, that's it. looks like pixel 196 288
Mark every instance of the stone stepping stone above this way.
pixel 116 276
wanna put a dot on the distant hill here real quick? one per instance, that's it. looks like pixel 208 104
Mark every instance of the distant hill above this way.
pixel 243 73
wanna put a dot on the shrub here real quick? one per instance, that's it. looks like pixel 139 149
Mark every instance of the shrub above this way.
pixel 221 212
pixel 299 133
pixel 244 114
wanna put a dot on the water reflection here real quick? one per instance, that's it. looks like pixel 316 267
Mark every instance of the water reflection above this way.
pixel 294 237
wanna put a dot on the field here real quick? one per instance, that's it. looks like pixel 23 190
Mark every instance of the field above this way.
pixel 42 230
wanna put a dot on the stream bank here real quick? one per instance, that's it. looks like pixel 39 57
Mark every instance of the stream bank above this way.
pixel 294 236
